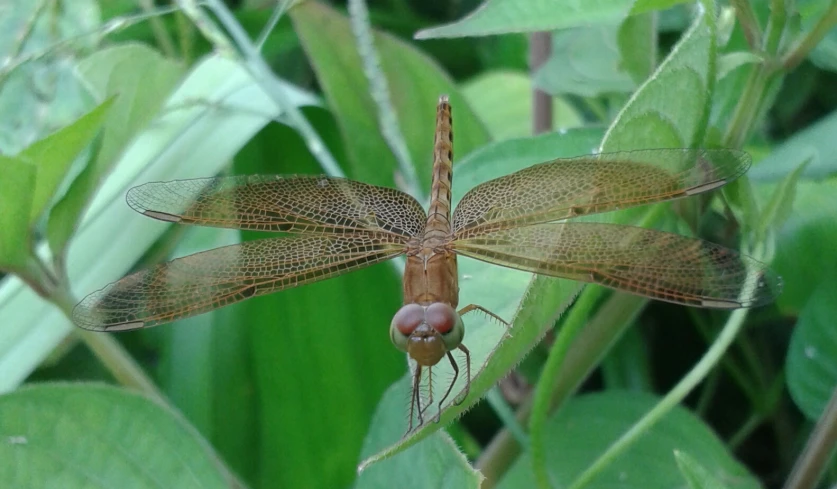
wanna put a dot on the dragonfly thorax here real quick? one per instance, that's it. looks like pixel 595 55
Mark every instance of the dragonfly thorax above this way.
pixel 426 332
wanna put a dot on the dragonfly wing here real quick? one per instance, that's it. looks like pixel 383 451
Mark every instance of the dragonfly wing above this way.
pixel 645 262
pixel 293 203
pixel 205 281
pixel 592 184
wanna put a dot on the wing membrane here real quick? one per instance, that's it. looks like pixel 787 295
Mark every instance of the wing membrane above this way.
pixel 645 262
pixel 205 281
pixel 295 203
pixel 592 184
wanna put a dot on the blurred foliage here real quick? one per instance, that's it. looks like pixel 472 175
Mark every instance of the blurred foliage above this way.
pixel 297 389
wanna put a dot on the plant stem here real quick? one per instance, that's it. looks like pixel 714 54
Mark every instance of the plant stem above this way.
pixel 809 466
pixel 749 23
pixel 800 50
pixel 670 401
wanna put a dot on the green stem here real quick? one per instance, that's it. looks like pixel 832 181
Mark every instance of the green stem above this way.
pixel 809 466
pixel 576 319
pixel 800 50
pixel 670 401
pixel 749 23
pixel 158 28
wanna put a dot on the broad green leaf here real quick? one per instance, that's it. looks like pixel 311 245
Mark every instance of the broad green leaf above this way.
pixel 696 474
pixel 812 355
pixel 637 41
pixel 216 109
pixel 415 84
pixel 730 61
pixel 140 79
pixel 75 436
pixel 501 290
pixel 588 424
pixel 806 241
pixel 18 177
pixel 507 16
pixel 816 142
pixel 436 462
pixel 671 108
pixel 642 6
pixel 585 62
pixel 779 207
pixel 54 154
pixel 503 101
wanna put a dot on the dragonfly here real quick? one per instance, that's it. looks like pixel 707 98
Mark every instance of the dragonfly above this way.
pixel 522 220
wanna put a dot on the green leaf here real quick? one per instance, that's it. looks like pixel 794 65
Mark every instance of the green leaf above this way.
pixel 439 459
pixel 730 61
pixel 812 355
pixel 18 177
pixel 415 84
pixel 696 474
pixel 816 142
pixel 805 241
pixel 501 290
pixel 140 79
pixel 585 62
pixel 503 101
pixel 780 205
pixel 213 112
pixel 670 110
pixel 642 6
pixel 54 154
pixel 588 424
pixel 507 16
pixel 637 41
pixel 76 436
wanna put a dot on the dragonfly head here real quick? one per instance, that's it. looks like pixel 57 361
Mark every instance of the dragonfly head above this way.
pixel 426 333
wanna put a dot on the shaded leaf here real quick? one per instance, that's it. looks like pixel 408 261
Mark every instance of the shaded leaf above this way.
pixel 506 16
pixel 816 142
pixel 812 355
pixel 503 101
pixel 642 6
pixel 584 61
pixel 82 435
pixel 696 474
pixel 54 154
pixel 588 424
pixel 637 41
pixel 18 177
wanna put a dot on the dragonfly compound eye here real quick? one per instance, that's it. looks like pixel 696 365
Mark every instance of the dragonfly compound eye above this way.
pixel 405 321
pixel 444 319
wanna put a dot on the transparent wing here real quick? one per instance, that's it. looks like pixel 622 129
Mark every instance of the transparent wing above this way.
pixel 205 281
pixel 295 203
pixel 645 262
pixel 591 184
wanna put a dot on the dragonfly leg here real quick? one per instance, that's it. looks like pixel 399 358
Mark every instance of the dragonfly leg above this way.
pixel 450 386
pixel 473 307
pixel 429 390
pixel 415 401
pixel 467 389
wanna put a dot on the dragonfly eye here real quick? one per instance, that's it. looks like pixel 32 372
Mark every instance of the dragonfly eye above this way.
pixel 405 321
pixel 444 319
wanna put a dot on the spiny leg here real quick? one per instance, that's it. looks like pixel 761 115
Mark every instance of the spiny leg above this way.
pixel 473 307
pixel 450 387
pixel 429 390
pixel 467 390
pixel 415 401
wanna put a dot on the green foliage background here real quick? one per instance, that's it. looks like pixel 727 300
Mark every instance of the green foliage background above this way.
pixel 302 388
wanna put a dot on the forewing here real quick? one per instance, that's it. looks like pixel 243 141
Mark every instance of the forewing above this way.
pixel 645 262
pixel 205 281
pixel 591 184
pixel 287 203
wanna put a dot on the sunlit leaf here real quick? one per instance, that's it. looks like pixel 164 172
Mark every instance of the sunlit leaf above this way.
pixel 18 177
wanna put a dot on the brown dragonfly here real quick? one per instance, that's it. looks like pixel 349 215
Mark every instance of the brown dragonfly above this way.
pixel 339 225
